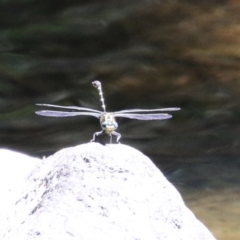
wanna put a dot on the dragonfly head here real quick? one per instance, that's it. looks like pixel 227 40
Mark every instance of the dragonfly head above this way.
pixel 108 122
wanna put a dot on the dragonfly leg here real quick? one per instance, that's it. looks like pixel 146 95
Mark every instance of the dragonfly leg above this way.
pixel 118 135
pixel 95 135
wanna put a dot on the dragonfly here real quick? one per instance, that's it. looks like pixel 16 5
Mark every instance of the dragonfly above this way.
pixel 108 122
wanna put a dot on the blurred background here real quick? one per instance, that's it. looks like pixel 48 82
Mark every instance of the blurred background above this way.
pixel 147 54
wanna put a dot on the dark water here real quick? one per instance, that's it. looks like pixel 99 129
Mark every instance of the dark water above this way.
pixel 147 54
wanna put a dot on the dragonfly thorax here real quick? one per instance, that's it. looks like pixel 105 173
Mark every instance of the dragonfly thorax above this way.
pixel 108 122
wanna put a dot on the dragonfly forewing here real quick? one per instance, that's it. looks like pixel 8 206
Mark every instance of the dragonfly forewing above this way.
pixel 49 113
pixel 148 110
pixel 69 107
pixel 153 116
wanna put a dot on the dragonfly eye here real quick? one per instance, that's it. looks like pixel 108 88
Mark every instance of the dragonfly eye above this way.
pixel 104 125
pixel 115 125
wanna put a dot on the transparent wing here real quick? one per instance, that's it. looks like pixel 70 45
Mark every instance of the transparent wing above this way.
pixel 148 110
pixel 69 107
pixel 153 116
pixel 48 113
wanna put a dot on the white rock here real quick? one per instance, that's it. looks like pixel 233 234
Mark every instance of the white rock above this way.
pixel 14 167
pixel 95 192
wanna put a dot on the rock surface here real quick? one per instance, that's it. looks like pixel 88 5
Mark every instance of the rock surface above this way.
pixel 98 192
pixel 14 167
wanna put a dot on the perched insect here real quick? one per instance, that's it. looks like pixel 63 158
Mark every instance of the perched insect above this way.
pixel 107 120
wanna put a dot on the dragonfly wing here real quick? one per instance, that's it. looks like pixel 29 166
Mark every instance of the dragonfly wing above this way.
pixel 153 116
pixel 69 107
pixel 48 113
pixel 148 110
